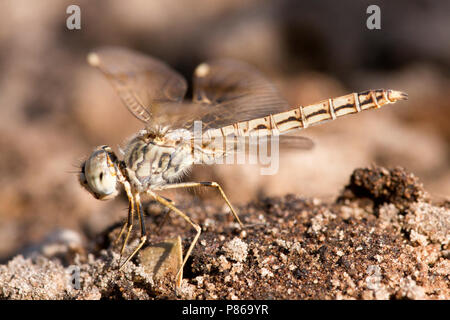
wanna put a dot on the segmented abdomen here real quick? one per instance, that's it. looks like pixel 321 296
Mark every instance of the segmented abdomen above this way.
pixel 304 116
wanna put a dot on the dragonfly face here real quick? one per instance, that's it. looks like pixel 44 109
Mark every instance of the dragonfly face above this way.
pixel 99 174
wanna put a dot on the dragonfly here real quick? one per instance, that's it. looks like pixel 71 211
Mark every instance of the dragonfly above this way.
pixel 231 101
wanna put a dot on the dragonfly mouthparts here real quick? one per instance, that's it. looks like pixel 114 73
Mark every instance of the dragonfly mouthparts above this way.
pixel 394 95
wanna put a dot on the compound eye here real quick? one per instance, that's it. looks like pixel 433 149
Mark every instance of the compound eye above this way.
pixel 82 177
pixel 100 177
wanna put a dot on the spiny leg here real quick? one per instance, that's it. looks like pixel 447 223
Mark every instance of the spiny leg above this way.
pixel 129 222
pixel 204 184
pixel 163 201
pixel 140 213
pixel 126 223
pixel 130 227
pixel 166 215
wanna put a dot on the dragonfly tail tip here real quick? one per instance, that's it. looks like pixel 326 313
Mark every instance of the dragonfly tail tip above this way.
pixel 395 95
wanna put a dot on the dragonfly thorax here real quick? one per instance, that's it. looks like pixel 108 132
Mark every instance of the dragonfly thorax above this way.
pixel 152 162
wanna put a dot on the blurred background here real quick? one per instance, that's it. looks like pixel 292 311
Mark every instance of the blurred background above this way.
pixel 54 108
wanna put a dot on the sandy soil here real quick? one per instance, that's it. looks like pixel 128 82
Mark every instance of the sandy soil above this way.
pixel 321 241
pixel 381 239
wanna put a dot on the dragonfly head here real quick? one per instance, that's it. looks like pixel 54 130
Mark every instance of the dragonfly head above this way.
pixel 98 173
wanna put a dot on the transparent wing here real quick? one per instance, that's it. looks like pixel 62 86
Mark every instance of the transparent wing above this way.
pixel 144 84
pixel 233 91
pixel 225 146
pixel 285 142
pixel 239 150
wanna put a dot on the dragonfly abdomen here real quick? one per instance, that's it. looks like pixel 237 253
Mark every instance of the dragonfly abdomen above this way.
pixel 351 103
pixel 305 116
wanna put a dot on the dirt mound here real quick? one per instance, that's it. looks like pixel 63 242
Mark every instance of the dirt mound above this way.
pixel 381 239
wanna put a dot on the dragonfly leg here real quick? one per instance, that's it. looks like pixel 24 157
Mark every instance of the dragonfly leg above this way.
pixel 211 184
pixel 129 222
pixel 130 227
pixel 197 228
pixel 143 232
pixel 125 224
pixel 167 211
